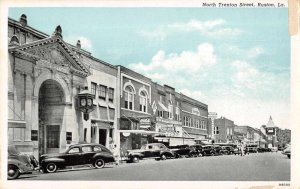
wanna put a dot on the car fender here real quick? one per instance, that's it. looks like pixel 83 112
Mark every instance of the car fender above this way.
pixel 168 153
pixel 20 165
pixel 105 156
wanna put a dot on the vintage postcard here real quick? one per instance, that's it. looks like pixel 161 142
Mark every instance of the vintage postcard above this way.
pixel 150 94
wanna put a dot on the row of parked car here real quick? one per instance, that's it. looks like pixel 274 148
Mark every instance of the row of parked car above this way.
pixel 160 151
pixel 98 156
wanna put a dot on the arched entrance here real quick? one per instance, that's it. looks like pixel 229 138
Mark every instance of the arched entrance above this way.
pixel 51 113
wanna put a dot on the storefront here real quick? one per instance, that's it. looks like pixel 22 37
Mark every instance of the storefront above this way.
pixel 134 132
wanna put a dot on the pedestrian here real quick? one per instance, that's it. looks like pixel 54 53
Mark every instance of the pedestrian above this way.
pixel 115 152
pixel 242 149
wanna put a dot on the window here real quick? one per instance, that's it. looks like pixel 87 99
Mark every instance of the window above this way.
pixel 197 124
pixel 86 149
pixel 111 94
pixel 128 98
pixel 84 131
pixel 74 150
pixel 102 92
pixel 228 132
pixel 170 111
pixel 160 113
pixel 18 134
pixel 93 89
pixel 97 149
pixel 143 102
pixel 216 130
pixel 177 113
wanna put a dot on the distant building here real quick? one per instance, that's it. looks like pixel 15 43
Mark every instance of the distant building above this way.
pixel 271 133
pixel 223 130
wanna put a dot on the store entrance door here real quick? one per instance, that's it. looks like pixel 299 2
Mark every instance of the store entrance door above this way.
pixel 102 136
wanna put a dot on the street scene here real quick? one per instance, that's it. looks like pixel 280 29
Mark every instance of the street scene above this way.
pixel 176 94
pixel 254 167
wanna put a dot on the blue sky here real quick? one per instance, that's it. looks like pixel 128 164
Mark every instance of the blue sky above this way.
pixel 235 60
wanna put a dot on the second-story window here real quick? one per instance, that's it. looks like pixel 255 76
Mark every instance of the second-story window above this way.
pixel 111 94
pixel 128 98
pixel 102 92
pixel 143 102
pixel 170 111
pixel 93 89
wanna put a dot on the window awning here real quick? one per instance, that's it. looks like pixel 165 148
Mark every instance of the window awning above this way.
pixel 162 107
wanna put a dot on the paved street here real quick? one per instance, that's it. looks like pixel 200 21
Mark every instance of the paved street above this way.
pixel 253 167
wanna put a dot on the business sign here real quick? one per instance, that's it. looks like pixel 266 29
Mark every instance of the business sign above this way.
pixel 169 130
pixel 196 111
pixel 145 122
pixel 167 121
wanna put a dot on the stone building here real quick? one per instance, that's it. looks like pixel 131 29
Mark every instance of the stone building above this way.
pixel 45 74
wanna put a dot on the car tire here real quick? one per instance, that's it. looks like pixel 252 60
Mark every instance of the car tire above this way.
pixel 135 159
pixel 12 172
pixel 163 157
pixel 99 163
pixel 212 154
pixel 200 155
pixel 51 168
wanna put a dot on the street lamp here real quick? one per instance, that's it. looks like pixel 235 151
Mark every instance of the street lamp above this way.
pixel 85 102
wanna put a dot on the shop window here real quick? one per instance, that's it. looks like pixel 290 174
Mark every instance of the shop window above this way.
pixel 160 113
pixel 93 89
pixel 102 92
pixel 143 102
pixel 111 94
pixel 128 98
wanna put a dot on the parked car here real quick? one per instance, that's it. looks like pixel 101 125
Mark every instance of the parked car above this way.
pixel 151 150
pixel 184 150
pixel 287 152
pixel 229 149
pixel 251 149
pixel 79 154
pixel 208 150
pixel 199 149
pixel 220 150
pixel 18 163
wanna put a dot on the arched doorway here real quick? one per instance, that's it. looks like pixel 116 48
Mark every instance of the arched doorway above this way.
pixel 51 113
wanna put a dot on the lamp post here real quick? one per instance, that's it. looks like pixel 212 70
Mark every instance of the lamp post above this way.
pixel 85 102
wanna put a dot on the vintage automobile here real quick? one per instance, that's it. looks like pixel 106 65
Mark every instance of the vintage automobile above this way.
pixel 18 163
pixel 287 152
pixel 208 150
pixel 198 148
pixel 79 154
pixel 220 150
pixel 150 150
pixel 229 149
pixel 184 151
pixel 251 149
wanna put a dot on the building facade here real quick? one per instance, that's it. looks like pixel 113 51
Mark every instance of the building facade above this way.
pixel 194 118
pixel 45 74
pixel 223 130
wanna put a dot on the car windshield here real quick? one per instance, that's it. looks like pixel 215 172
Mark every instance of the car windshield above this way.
pixel 143 147
pixel 12 150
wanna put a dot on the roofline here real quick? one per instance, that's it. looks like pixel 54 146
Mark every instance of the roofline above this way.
pixel 28 28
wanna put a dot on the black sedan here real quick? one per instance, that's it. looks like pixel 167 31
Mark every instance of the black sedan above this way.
pixel 184 150
pixel 79 154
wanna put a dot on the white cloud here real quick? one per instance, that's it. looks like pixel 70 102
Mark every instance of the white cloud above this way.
pixel 86 44
pixel 197 25
pixel 196 94
pixel 211 28
pixel 185 62
pixel 254 52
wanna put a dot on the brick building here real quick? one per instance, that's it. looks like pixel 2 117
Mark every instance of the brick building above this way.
pixel 223 130
pixel 136 114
